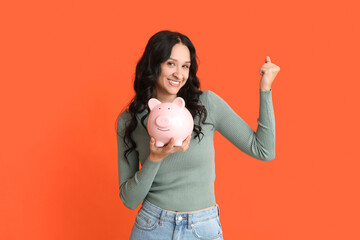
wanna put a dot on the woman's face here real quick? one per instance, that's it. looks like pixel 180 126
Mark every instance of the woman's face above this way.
pixel 174 73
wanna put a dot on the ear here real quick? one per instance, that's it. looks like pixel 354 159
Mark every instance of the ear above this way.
pixel 180 102
pixel 153 102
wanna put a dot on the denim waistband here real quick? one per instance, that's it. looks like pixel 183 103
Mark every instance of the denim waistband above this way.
pixel 179 217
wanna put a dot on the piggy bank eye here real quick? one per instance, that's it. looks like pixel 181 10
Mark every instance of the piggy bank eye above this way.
pixel 168 108
pixel 159 108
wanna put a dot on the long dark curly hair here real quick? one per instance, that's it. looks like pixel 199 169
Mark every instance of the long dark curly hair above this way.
pixel 157 51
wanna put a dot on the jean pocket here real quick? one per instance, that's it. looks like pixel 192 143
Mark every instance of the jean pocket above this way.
pixel 207 230
pixel 146 221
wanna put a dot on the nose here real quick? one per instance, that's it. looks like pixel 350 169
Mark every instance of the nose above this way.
pixel 162 121
pixel 178 74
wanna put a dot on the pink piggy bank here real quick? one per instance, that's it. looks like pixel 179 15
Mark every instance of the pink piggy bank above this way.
pixel 167 120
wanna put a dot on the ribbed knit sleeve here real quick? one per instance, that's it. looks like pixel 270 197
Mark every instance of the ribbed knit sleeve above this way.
pixel 134 184
pixel 259 144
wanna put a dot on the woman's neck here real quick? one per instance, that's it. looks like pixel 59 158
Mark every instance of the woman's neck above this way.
pixel 163 97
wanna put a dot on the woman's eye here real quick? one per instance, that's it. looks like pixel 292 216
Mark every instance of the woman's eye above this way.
pixel 186 66
pixel 170 63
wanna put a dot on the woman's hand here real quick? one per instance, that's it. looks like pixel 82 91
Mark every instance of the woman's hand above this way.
pixel 268 72
pixel 157 154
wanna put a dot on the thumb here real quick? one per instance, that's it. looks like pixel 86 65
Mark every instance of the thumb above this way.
pixel 267 59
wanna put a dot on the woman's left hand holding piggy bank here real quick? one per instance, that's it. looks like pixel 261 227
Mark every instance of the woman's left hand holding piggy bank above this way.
pixel 157 154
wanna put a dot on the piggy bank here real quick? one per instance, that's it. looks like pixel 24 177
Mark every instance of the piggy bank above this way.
pixel 167 120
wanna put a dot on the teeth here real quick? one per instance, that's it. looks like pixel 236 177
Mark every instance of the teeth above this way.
pixel 173 82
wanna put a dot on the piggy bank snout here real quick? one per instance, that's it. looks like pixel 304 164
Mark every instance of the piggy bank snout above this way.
pixel 162 121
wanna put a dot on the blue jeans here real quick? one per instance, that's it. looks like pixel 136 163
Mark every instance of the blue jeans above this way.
pixel 154 223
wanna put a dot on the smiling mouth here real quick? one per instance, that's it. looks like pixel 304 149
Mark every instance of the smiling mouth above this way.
pixel 163 130
pixel 174 83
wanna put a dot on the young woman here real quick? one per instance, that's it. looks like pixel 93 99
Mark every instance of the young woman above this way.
pixel 175 184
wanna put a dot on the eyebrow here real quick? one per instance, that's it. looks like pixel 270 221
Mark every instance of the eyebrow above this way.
pixel 177 60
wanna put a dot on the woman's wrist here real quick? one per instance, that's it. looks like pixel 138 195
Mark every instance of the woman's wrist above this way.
pixel 265 89
pixel 154 158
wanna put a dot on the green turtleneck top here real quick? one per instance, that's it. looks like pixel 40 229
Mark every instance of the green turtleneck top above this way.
pixel 184 181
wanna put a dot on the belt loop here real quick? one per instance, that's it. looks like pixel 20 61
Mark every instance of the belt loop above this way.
pixel 189 220
pixel 218 208
pixel 161 219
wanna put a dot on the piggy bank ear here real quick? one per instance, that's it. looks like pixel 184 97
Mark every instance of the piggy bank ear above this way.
pixel 153 102
pixel 180 102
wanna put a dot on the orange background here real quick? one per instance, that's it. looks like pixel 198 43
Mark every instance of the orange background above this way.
pixel 66 73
